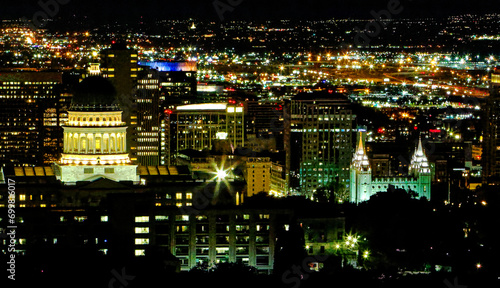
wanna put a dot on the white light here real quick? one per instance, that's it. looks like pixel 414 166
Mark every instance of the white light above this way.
pixel 221 174
pixel 209 106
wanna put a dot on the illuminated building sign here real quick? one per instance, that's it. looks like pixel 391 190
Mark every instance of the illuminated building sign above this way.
pixel 162 66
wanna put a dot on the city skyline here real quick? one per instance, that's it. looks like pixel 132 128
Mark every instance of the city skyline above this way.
pixel 232 143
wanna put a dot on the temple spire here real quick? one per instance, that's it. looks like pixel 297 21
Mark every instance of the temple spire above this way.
pixel 360 160
pixel 419 162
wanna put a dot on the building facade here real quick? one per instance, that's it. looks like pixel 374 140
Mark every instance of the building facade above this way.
pixel 364 184
pixel 491 132
pixel 147 131
pixel 95 138
pixel 321 142
pixel 31 114
pixel 200 126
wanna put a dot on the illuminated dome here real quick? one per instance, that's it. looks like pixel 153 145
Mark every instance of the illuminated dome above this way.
pixel 94 94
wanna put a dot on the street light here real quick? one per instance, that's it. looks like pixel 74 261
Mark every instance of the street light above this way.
pixel 221 175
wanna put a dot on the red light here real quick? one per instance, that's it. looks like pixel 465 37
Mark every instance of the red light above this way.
pixel 415 128
pixel 113 42
pixel 168 111
pixel 434 130
pixel 380 130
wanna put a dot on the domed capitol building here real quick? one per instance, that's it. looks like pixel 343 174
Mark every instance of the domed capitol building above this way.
pixel 95 137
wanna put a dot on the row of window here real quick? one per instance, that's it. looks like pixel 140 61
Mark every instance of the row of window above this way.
pixel 145 219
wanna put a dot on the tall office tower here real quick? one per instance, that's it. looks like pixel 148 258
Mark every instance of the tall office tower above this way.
pixel 147 131
pixel 95 137
pixel 119 65
pixel 207 126
pixel 30 117
pixel 265 124
pixel 321 141
pixel 491 132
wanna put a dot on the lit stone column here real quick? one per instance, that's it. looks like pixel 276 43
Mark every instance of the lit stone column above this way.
pixel 70 142
pixel 124 143
pixel 78 143
pixel 93 140
pixel 65 142
pixel 109 143
pixel 86 140
pixel 119 142
pixel 116 145
pixel 100 144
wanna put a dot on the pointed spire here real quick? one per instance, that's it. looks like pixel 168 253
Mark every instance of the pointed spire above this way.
pixel 419 162
pixel 360 160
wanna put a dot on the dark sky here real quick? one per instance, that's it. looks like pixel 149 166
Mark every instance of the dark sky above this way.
pixel 129 10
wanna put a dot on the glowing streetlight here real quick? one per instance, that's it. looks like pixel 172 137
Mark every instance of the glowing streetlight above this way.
pixel 221 175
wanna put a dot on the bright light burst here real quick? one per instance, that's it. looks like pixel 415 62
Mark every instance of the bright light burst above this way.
pixel 221 174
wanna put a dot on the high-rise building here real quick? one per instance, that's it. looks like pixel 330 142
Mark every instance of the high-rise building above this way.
pixel 266 123
pixel 95 137
pixel 321 142
pixel 147 130
pixel 201 126
pixel 491 132
pixel 258 175
pixel 165 136
pixel 177 78
pixel 119 65
pixel 31 113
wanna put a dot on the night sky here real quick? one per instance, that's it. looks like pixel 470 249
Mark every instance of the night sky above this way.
pixel 131 10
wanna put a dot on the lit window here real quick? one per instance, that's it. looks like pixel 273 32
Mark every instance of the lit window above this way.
pixel 141 219
pixel 181 217
pixel 141 230
pixel 161 218
pixel 178 196
pixel 104 218
pixel 189 196
pixel 140 252
pixel 141 241
pixel 22 197
pixel 80 218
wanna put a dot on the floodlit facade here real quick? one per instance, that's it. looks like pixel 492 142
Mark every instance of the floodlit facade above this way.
pixel 258 175
pixel 95 139
pixel 364 185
